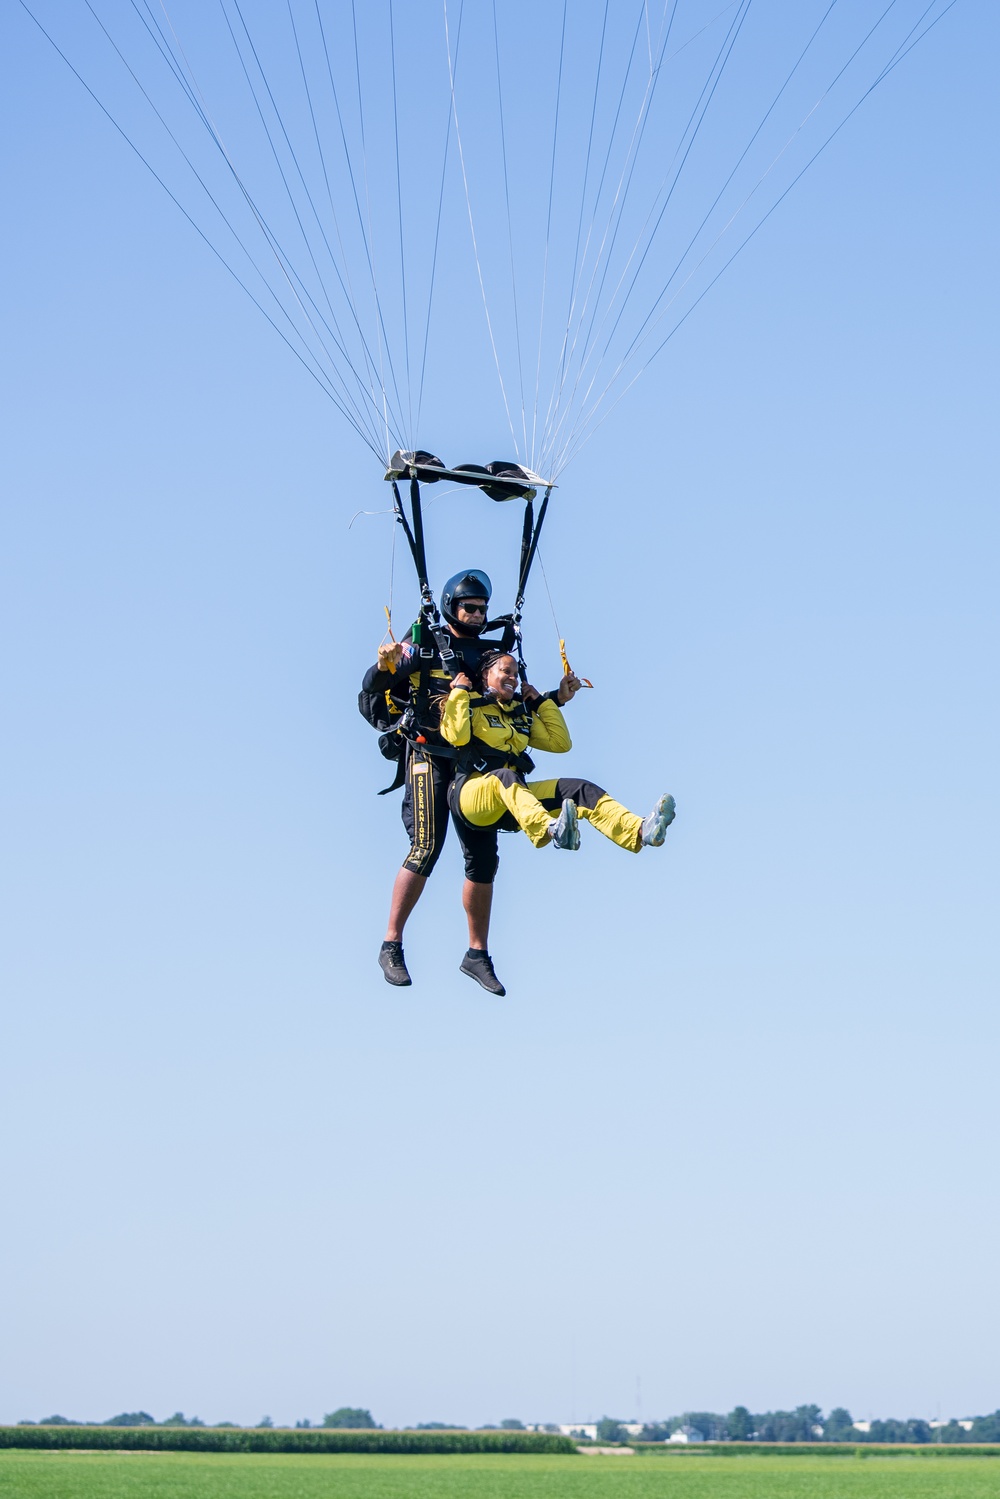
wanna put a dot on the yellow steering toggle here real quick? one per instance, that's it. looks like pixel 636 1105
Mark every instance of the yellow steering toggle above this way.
pixel 568 670
pixel 388 631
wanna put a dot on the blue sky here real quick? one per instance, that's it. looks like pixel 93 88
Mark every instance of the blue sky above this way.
pixel 732 1133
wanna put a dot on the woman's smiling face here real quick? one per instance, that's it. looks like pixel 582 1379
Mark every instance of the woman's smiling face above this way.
pixel 501 678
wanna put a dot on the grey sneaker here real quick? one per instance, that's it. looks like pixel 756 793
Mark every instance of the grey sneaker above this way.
pixel 654 829
pixel 479 966
pixel 564 830
pixel 393 964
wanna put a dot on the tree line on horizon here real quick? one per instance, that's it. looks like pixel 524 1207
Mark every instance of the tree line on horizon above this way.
pixel 345 1417
pixel 806 1423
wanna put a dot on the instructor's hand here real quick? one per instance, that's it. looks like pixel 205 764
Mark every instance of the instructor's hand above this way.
pixel 389 656
pixel 568 687
pixel 461 680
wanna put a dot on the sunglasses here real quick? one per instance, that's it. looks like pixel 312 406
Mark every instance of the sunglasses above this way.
pixel 472 608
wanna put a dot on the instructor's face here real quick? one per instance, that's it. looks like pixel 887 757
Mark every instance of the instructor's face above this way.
pixel 471 612
pixel 501 679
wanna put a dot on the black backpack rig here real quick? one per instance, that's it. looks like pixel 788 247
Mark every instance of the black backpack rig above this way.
pixel 405 718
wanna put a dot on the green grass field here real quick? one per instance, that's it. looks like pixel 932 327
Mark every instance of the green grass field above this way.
pixel 188 1475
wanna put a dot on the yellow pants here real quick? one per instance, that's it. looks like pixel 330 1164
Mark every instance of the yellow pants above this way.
pixel 533 804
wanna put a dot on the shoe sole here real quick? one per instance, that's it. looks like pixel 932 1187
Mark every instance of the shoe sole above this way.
pixel 401 983
pixel 499 992
pixel 665 814
pixel 572 829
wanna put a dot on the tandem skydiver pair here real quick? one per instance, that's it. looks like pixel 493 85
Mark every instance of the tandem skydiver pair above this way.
pixel 461 730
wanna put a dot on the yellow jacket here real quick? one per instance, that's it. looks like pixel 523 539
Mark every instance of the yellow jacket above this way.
pixel 507 728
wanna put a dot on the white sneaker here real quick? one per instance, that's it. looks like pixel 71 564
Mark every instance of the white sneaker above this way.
pixel 564 830
pixel 654 829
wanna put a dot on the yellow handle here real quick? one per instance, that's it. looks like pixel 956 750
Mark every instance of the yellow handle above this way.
pixel 388 631
pixel 567 669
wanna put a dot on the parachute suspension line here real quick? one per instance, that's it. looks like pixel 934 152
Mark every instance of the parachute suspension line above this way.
pixel 155 33
pixel 392 576
pixel 583 197
pixel 364 220
pixel 802 123
pixel 472 226
pixel 903 50
pixel 739 162
pixel 548 224
pixel 548 595
pixel 701 30
pixel 367 236
pixel 347 286
pixel 567 669
pixel 585 415
pixel 195 98
pixel 303 354
pixel 649 39
pixel 163 48
pixel 284 132
pixel 510 237
pixel 437 242
pixel 380 406
pixel 896 58
pixel 690 133
pixel 339 340
pixel 402 242
pixel 623 188
pixel 344 286
pixel 619 197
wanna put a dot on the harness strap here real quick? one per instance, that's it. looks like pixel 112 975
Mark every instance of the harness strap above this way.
pixel 399 778
pixel 530 535
pixel 528 555
pixel 483 759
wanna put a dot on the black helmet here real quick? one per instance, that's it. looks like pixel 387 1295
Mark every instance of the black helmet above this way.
pixel 472 584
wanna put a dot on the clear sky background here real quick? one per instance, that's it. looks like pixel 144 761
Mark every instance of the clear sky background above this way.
pixel 732 1136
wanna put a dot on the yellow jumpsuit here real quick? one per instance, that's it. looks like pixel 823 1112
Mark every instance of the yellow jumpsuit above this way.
pixel 510 728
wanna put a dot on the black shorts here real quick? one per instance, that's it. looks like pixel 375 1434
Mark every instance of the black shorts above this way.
pixel 425 818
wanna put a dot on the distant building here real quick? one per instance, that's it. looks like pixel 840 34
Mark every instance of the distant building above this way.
pixel 686 1434
pixel 585 1431
pixel 862 1425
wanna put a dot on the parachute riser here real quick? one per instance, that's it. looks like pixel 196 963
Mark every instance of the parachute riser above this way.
pixel 419 561
pixel 530 533
pixel 430 618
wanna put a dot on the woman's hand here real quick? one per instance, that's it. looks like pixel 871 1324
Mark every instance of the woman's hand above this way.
pixel 530 694
pixel 389 656
pixel 568 688
pixel 461 680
